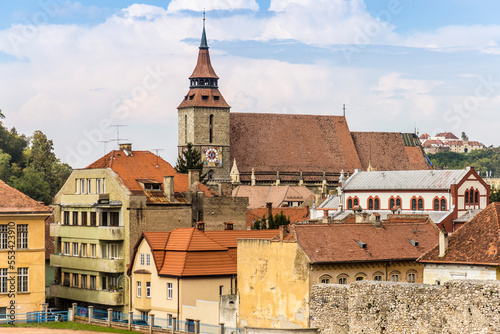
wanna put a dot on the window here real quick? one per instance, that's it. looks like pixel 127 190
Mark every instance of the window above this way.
pixel 471 196
pixel 377 277
pixel 93 219
pixel 66 279
pixel 22 236
pixel 391 203
pixel 420 204
pixel 66 249
pixel 377 204
pixel 89 187
pixel 148 289
pixel 170 290
pixel 326 279
pixel 395 277
pixel 211 128
pixel 3 312
pixel 411 277
pixel 114 219
pixel 436 204
pixel 104 219
pixel 83 250
pixel 356 201
pixel 3 280
pixel 82 186
pixel 22 279
pixel 349 204
pixel 142 259
pixel 443 204
pixel 75 249
pixel 144 315
pixel 75 280
pixel 398 202
pixel 414 204
pixel 93 281
pixel 98 186
pixel 476 198
pixel 75 218
pixel 66 217
pixel 370 204
pixel 113 251
pixel 84 282
pixel 360 278
pixel 93 250
pixel 466 197
pixel 84 218
pixel 342 280
pixel 221 290
pixel 139 289
pixel 148 259
pixel 3 236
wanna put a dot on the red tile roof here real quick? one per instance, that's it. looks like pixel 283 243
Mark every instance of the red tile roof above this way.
pixel 477 242
pixel 146 167
pixel 339 242
pixel 258 196
pixel 295 214
pixel 190 252
pixel 447 135
pixel 14 201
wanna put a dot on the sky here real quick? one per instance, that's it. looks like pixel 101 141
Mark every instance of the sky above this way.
pixel 89 72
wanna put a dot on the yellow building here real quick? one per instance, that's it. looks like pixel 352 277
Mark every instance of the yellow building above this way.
pixel 22 253
pixel 275 276
pixel 185 272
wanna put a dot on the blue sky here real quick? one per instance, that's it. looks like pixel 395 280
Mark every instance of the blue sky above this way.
pixel 71 68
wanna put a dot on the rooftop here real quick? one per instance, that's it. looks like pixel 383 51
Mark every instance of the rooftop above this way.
pixel 13 201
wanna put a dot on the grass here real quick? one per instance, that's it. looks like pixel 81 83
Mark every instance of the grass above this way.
pixel 72 326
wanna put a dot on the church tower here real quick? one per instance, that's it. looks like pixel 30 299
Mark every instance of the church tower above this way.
pixel 204 117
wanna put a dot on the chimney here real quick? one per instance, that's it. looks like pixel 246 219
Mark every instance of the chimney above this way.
pixel 269 207
pixel 283 232
pixel 126 147
pixel 168 187
pixel 443 243
pixel 308 211
pixel 193 177
pixel 200 226
pixel 228 226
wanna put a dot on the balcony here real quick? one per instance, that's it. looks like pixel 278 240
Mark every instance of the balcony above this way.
pixel 87 295
pixel 83 199
pixel 86 263
pixel 88 232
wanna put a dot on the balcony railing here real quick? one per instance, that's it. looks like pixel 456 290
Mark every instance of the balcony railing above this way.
pixel 88 232
pixel 112 298
pixel 86 263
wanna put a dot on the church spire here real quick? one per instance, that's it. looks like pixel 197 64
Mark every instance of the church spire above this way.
pixel 203 44
pixel 203 75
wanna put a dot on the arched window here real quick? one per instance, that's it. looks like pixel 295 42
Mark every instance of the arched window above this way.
pixel 211 139
pixel 476 197
pixel 356 201
pixel 391 203
pixel 411 276
pixel 414 204
pixel 370 203
pixel 377 204
pixel 360 277
pixel 420 204
pixel 326 279
pixel 398 202
pixel 443 204
pixel 342 279
pixel 378 276
pixel 471 196
pixel 466 197
pixel 436 204
pixel 395 276
pixel 349 204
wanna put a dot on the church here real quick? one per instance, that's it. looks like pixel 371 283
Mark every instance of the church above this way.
pixel 281 149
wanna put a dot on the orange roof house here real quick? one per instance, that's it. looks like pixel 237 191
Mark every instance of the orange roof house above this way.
pixel 304 255
pixel 472 252
pixel 194 269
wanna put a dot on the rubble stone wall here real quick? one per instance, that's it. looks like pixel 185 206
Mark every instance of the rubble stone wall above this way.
pixel 460 306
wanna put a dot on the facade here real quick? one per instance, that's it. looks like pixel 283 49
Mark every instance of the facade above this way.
pixel 447 141
pixel 186 273
pixel 256 149
pixel 470 253
pixel 415 191
pixel 275 276
pixel 22 253
pixel 102 210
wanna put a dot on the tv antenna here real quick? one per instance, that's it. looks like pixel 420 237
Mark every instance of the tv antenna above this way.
pixel 117 139
pixel 105 142
pixel 343 109
pixel 157 155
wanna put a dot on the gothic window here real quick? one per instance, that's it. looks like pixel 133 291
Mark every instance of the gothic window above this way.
pixel 471 196
pixel 443 204
pixel 391 203
pixel 476 198
pixel 466 197
pixel 436 204
pixel 211 128
pixel 377 204
pixel 420 204
pixel 356 201
pixel 349 204
pixel 414 204
pixel 398 202
pixel 370 204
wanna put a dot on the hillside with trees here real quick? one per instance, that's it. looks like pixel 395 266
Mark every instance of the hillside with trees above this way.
pixel 482 160
pixel 30 165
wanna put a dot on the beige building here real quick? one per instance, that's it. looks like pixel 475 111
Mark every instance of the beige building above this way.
pixel 102 210
pixel 275 277
pixel 22 253
pixel 185 273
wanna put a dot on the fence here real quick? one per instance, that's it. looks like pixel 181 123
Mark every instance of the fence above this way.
pixel 118 319
pixel 34 317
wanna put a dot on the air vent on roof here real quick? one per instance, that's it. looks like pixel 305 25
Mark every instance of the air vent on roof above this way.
pixel 414 242
pixel 361 244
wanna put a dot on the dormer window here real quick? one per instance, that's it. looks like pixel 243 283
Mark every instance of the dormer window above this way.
pixel 204 97
pixel 152 186
pixel 216 98
pixel 191 97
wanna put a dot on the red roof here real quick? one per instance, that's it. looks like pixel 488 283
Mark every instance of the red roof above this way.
pixel 190 252
pixel 476 242
pixel 341 242
pixel 14 201
pixel 447 135
pixel 144 166
pixel 295 214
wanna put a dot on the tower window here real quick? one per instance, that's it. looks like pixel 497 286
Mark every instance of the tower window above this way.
pixel 191 97
pixel 211 129
pixel 216 98
pixel 204 97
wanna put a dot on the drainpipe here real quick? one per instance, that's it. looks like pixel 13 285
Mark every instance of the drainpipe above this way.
pixel 178 298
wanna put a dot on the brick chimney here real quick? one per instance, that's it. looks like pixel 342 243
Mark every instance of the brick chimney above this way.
pixel 126 147
pixel 269 207
pixel 443 243
pixel 168 187
pixel 283 232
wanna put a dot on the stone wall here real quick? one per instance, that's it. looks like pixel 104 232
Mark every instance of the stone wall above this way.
pixel 218 210
pixel 461 306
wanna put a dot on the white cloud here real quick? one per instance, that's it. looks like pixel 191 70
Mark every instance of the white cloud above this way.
pixel 198 6
pixel 393 84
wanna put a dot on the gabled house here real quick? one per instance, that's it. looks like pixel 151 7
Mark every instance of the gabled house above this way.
pixel 102 210
pixel 472 252
pixel 185 273
pixel 275 276
pixel 22 253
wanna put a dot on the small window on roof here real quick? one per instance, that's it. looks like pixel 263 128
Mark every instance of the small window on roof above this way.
pixel 185 98
pixel 152 186
pixel 204 97
pixel 216 98
pixel 191 97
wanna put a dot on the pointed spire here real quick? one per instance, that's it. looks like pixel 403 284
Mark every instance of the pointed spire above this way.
pixel 203 44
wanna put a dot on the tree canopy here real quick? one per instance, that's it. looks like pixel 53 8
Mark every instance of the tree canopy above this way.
pixel 482 161
pixel 190 158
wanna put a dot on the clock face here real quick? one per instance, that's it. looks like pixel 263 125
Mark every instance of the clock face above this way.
pixel 211 156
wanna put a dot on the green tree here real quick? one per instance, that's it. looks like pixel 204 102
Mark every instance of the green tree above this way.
pixel 33 184
pixel 190 158
pixel 495 195
pixel 281 219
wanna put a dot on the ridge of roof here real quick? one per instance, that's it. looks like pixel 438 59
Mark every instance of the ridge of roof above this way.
pixel 15 201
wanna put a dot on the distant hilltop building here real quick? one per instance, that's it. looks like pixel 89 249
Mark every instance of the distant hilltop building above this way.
pixel 281 149
pixel 447 141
